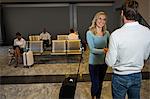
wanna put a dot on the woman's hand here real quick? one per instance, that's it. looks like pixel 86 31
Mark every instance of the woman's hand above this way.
pixel 105 50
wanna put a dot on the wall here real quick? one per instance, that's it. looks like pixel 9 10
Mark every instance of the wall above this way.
pixel 58 17
pixel 0 27
pixel 144 9
pixel 30 20
pixel 1 41
pixel 16 1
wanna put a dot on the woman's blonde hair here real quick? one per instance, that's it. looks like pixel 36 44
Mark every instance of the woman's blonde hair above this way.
pixel 93 25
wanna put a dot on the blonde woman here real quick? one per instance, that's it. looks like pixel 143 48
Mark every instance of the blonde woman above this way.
pixel 97 39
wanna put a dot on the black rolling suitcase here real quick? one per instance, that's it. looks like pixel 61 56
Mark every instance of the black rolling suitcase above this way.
pixel 67 90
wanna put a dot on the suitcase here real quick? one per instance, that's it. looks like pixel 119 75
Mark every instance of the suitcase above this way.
pixel 67 91
pixel 28 59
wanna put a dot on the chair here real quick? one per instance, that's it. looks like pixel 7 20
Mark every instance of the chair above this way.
pixel 74 47
pixel 62 37
pixel 35 44
pixel 58 47
pixel 34 38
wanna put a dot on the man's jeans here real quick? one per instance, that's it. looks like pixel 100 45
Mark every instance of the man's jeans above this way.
pixel 130 84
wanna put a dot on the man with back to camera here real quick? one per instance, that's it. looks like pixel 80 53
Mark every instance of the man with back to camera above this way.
pixel 129 46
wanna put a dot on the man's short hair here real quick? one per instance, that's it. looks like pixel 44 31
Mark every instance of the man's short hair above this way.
pixel 130 10
pixel 71 30
pixel 18 34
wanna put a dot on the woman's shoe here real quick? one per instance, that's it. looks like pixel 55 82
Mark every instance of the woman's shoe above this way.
pixel 93 97
pixel 16 66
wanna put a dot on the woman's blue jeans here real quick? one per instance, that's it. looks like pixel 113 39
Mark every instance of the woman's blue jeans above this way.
pixel 126 84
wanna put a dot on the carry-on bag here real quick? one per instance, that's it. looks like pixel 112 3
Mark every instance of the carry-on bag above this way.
pixel 67 90
pixel 28 59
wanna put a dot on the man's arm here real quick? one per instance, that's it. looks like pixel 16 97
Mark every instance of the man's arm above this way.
pixel 49 36
pixel 111 55
pixel 147 54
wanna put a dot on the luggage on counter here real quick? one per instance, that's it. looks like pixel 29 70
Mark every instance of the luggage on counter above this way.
pixel 28 59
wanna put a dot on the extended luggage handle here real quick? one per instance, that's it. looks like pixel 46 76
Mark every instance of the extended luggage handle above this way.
pixel 76 77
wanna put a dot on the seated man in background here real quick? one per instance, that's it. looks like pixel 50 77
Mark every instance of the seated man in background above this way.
pixel 73 35
pixel 45 36
pixel 19 46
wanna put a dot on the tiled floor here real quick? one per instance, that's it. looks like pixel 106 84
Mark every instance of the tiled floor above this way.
pixel 48 90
